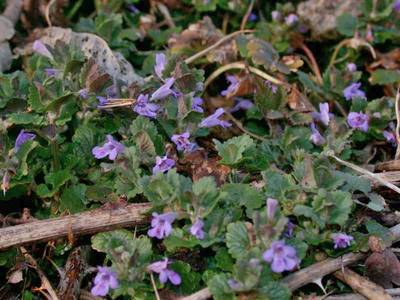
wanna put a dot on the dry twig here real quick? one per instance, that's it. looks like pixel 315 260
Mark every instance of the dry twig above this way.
pixel 397 107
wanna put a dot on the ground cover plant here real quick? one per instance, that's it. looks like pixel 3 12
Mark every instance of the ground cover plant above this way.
pixel 194 149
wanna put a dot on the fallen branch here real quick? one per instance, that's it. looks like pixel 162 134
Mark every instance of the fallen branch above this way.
pixel 362 285
pixel 101 219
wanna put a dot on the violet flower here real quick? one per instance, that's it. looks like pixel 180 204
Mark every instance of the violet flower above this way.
pixel 253 17
pixel 197 102
pixel 276 15
pixel 41 49
pixel 323 116
pixel 282 257
pixel 182 141
pixel 242 104
pixel 351 67
pixel 159 67
pixel 111 149
pixel 353 91
pixel 212 120
pixel 161 225
pixel 22 138
pixel 112 91
pixel 163 164
pixel 165 90
pixel 104 280
pixel 83 93
pixel 341 240
pixel 273 87
pixel 234 284
pixel 144 108
pixel 102 100
pixel 358 121
pixel 390 137
pixel 272 205
pixel 165 274
pixel 316 136
pixel 133 9
pixel 51 72
pixel 289 229
pixel 396 6
pixel 291 19
pixel 233 86
pixel 197 229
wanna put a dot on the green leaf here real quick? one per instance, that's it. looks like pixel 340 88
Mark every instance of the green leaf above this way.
pixel 237 239
pixel 377 202
pixel 275 291
pixel 232 150
pixel 219 288
pixel 177 240
pixel 190 279
pixel 56 180
pixel 22 156
pixel 35 100
pixel 73 199
pixel 346 24
pixel 143 126
pixel 24 118
pixel 374 228
pixel 354 183
pixel 382 76
pixel 242 194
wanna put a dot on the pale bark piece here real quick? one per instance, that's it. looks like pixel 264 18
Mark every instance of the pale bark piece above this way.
pixel 320 15
pixel 101 219
pixel 93 47
pixel 6 29
pixel 360 284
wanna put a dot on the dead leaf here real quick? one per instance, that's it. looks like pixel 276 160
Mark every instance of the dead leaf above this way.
pixel 298 101
pixel 202 35
pixel 293 62
pixel 15 277
pixel 198 165
pixel 96 79
pixel 390 60
pixel 93 47
pixel 383 268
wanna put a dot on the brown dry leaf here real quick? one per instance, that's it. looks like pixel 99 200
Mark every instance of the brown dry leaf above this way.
pixel 202 35
pixel 293 62
pixel 93 47
pixel 95 77
pixel 34 12
pixel 298 101
pixel 198 165
pixel 383 267
pixel 246 85
pixel 390 60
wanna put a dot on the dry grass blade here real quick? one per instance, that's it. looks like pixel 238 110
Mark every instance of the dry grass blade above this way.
pixel 397 107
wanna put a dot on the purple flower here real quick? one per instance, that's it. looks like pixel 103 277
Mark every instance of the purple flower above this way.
pixel 22 138
pixel 233 86
pixel 289 229
pixel 272 205
pixel 112 91
pixel 144 108
pixel 316 137
pixel 161 225
pixel 163 164
pixel 323 116
pixel 234 284
pixel 199 86
pixel 351 67
pixel 272 86
pixel 41 49
pixel 102 100
pixel 282 257
pixel 396 6
pixel 197 229
pixel 111 149
pixel 165 274
pixel 51 72
pixel 358 121
pixel 390 137
pixel 196 104
pixel 276 15
pixel 253 17
pixel 83 93
pixel 291 19
pixel 133 9
pixel 242 104
pixel 341 240
pixel 161 61
pixel 212 120
pixel 353 91
pixel 182 141
pixel 165 90
pixel 104 280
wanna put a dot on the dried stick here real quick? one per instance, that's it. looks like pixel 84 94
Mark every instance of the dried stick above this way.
pixel 203 294
pixel 313 62
pixel 362 285
pixel 45 282
pixel 397 107
pixel 70 282
pixel 167 16
pixel 246 16
pixel 101 219
pixel 47 12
